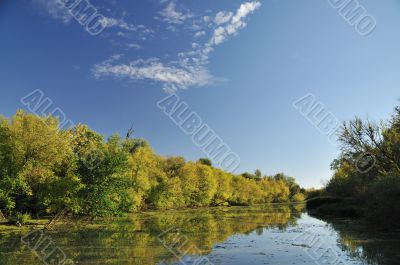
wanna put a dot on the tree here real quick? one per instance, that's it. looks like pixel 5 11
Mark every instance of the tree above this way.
pixel 248 175
pixel 224 191
pixel 132 145
pixel 368 168
pixel 168 193
pixel 44 169
pixel 198 184
pixel 246 191
pixel 38 165
pixel 172 166
pixel 145 173
pixel 299 197
pixel 205 161
pixel 105 177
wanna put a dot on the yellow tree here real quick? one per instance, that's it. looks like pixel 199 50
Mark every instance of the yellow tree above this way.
pixel 42 163
pixel 224 187
pixel 198 184
pixel 146 173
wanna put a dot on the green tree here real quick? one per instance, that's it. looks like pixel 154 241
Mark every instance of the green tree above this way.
pixel 103 168
pixel 205 161
pixel 224 191
pixel 198 184
pixel 37 165
pixel 168 192
pixel 145 173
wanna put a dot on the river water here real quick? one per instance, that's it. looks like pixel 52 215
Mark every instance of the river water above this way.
pixel 267 234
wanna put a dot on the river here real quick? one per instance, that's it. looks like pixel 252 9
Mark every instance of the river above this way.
pixel 267 234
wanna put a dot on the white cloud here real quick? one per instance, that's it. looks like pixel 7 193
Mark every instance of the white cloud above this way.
pixel 119 23
pixel 58 11
pixel 206 19
pixel 55 9
pixel 173 76
pixel 171 15
pixel 190 68
pixel 244 10
pixel 237 22
pixel 134 46
pixel 199 34
pixel 222 17
pixel 219 35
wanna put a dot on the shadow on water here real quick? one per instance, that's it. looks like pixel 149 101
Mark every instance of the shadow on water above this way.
pixel 365 242
pixel 166 237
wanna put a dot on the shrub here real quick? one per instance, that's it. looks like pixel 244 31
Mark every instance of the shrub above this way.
pixel 339 210
pixel 298 197
pixel 313 193
pixel 20 219
pixel 316 202
pixel 384 202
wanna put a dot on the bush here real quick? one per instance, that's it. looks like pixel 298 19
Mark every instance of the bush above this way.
pixel 384 202
pixel 339 210
pixel 338 207
pixel 299 197
pixel 317 202
pixel 20 219
pixel 313 193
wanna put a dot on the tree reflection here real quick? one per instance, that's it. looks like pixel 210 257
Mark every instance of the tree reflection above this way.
pixel 366 243
pixel 136 239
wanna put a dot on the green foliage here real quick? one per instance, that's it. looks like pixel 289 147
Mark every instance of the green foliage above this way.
pixel 205 161
pixel 374 181
pixel 299 197
pixel 37 165
pixel 199 185
pixel 20 219
pixel 335 206
pixel 258 173
pixel 131 145
pixel 384 202
pixel 106 184
pixel 44 169
pixel 314 193
pixel 224 191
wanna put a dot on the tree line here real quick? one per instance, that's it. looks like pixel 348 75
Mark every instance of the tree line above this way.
pixel 368 169
pixel 45 169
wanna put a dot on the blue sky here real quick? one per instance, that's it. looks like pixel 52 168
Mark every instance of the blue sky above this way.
pixel 239 64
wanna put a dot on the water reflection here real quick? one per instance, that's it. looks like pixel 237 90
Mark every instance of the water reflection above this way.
pixel 367 244
pixel 236 235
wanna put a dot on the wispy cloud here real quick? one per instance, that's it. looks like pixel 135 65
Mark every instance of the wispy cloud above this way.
pixel 119 23
pixel 171 15
pixel 189 69
pixel 222 17
pixel 173 76
pixel 235 23
pixel 134 46
pixel 199 34
pixel 54 9
pixel 58 11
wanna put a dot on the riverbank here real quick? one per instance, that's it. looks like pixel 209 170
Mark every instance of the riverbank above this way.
pixel 336 207
pixel 262 234
pixel 41 222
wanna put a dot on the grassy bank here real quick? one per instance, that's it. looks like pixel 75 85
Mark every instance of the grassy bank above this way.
pixel 6 226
